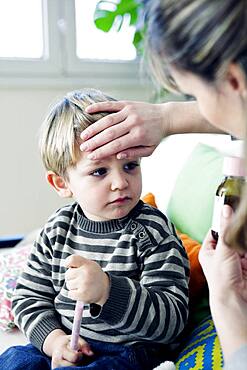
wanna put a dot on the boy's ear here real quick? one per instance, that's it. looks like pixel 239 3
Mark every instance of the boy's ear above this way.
pixel 59 184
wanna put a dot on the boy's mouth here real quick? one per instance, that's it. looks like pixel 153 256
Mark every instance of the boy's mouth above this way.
pixel 121 200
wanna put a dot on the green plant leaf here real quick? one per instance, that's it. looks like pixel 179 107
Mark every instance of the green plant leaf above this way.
pixel 106 19
pixel 138 37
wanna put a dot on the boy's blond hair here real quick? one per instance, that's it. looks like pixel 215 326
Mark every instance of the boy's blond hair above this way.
pixel 61 129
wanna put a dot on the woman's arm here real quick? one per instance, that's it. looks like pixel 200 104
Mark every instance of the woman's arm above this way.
pixel 137 128
pixel 230 317
pixel 238 360
pixel 226 273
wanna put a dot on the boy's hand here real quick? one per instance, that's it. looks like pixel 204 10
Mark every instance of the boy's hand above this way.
pixel 63 355
pixel 86 280
pixel 57 346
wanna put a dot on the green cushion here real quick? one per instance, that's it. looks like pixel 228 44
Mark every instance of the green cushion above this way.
pixel 191 204
pixel 202 349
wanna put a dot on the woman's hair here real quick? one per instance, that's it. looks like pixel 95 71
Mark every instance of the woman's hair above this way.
pixel 202 37
pixel 60 132
pixel 198 36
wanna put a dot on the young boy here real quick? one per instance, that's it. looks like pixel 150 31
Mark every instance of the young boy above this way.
pixel 119 256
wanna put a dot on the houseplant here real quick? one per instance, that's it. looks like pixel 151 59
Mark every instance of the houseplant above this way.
pixel 110 14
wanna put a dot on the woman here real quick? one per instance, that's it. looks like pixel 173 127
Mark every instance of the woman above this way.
pixel 197 47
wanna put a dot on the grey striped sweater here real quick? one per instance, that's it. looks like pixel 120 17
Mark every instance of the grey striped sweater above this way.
pixel 147 266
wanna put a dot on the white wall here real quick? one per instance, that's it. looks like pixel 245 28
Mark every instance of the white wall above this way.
pixel 26 200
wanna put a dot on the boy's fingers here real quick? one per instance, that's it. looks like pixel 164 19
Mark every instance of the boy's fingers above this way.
pixel 84 347
pixel 75 261
pixel 62 363
pixel 59 361
pixel 72 356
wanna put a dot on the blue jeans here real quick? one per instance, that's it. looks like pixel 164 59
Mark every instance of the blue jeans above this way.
pixel 106 357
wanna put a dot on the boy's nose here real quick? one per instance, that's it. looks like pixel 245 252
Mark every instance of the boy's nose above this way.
pixel 119 181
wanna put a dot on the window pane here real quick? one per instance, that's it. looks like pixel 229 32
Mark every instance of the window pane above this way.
pixel 93 43
pixel 21 29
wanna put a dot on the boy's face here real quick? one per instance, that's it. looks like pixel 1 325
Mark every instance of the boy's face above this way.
pixel 105 189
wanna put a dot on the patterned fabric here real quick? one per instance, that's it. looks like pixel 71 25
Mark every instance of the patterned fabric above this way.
pixel 147 266
pixel 11 266
pixel 202 351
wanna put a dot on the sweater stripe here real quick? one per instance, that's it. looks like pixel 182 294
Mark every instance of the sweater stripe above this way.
pixel 145 261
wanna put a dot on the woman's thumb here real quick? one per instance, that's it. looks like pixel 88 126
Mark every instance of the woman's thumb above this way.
pixel 225 220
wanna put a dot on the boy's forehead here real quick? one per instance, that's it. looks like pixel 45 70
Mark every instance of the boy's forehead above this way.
pixel 85 161
pixel 99 162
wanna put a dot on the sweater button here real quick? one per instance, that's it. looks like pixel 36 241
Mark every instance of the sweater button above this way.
pixel 133 226
pixel 142 234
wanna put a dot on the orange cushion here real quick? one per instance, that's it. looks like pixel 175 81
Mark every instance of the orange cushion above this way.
pixel 197 279
pixel 149 198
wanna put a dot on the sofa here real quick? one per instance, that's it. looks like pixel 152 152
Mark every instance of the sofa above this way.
pixel 180 179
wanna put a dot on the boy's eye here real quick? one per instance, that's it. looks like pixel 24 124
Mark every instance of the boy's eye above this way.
pixel 131 166
pixel 99 172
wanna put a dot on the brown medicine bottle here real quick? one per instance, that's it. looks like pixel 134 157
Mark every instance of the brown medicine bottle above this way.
pixel 229 191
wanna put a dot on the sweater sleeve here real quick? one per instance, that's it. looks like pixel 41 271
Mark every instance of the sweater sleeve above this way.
pixel 155 306
pixel 33 301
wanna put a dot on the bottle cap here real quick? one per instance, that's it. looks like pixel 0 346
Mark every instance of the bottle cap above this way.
pixel 234 166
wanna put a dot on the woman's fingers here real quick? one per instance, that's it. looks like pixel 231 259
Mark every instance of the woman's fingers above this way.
pixel 106 106
pixel 123 148
pixel 135 129
pixel 109 135
pixel 225 221
pixel 244 262
pixel 101 125
pixel 206 252
pixel 209 242
pixel 138 151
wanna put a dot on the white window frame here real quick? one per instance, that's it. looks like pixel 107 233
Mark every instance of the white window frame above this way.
pixel 92 67
pixel 50 64
pixel 61 61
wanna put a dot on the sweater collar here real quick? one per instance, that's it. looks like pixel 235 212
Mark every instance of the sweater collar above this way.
pixel 105 226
